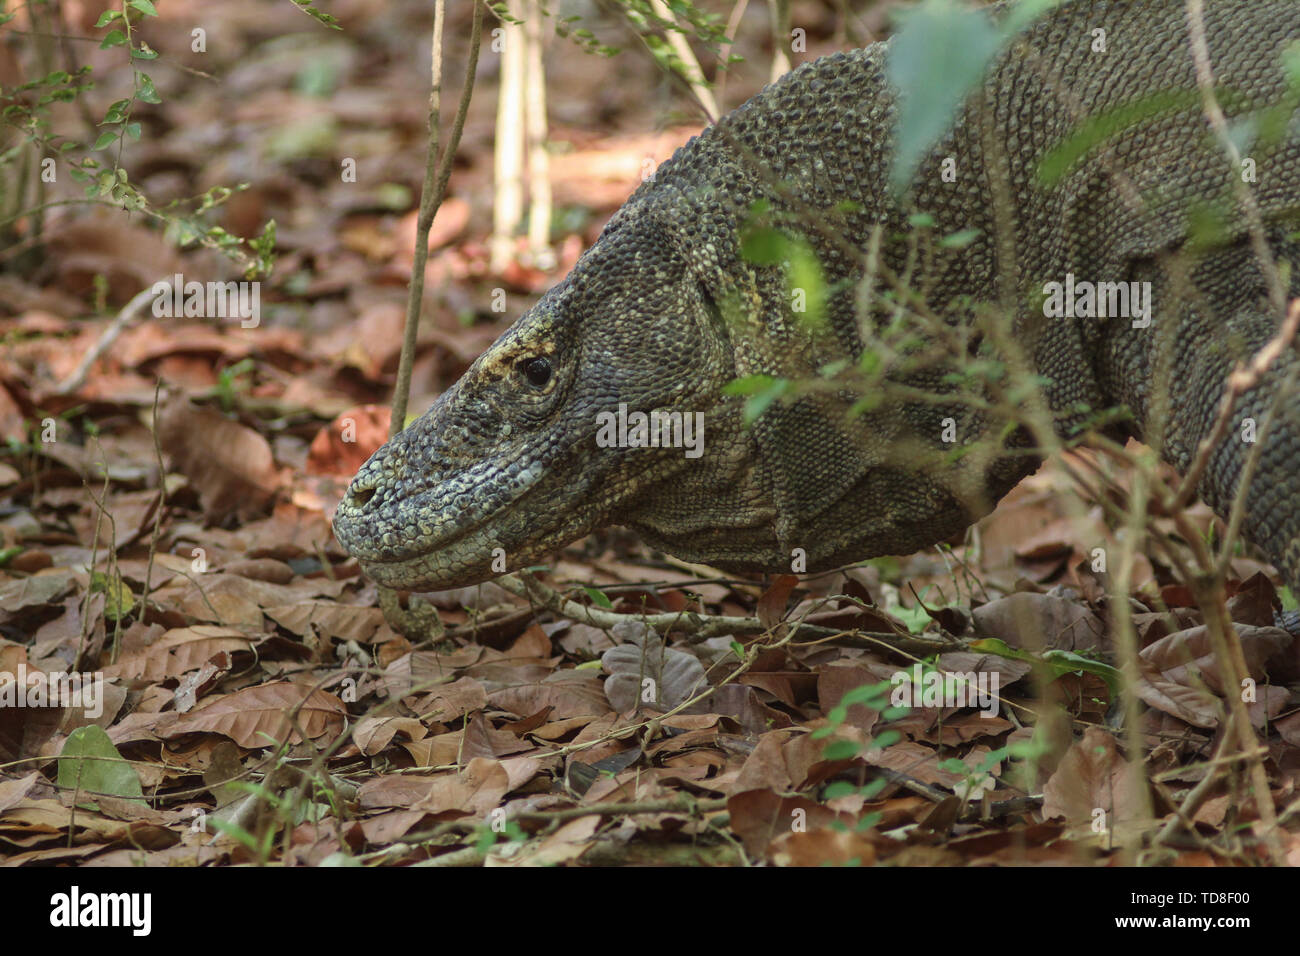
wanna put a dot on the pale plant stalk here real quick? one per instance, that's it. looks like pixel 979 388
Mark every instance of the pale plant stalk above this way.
pixel 508 153
pixel 780 39
pixel 539 171
pixel 691 71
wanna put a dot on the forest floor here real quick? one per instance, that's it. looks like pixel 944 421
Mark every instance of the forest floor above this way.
pixel 164 532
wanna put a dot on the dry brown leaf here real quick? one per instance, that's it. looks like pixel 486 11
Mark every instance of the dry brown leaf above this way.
pixel 1040 622
pixel 229 464
pixel 823 847
pixel 450 701
pixel 394 790
pixel 12 791
pixel 391 826
pixel 759 817
pixel 645 673
pixel 484 740
pixel 566 845
pixel 440 750
pixel 766 768
pixel 372 735
pixel 920 763
pixel 256 716
pixel 1181 675
pixel 343 446
pixel 477 790
pixel 569 693
pixel 179 651
pixel 328 619
pixel 1093 787
pixel 40 590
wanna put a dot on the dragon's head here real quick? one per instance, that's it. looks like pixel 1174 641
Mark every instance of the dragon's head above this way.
pixel 534 446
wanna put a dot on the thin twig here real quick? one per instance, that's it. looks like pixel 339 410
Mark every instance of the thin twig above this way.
pixel 1219 123
pixel 1242 379
pixel 431 196
pixel 109 336
pixel 703 627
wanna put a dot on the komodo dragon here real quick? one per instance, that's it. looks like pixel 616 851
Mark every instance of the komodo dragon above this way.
pixel 903 414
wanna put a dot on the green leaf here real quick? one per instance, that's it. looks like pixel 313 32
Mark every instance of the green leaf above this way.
pixel 937 58
pixel 1289 602
pixel 959 239
pixel 756 406
pixel 598 598
pixel 805 277
pixel 869 820
pixel 113 38
pixel 1058 663
pixel 105 140
pixel 839 788
pixel 1291 63
pixel 916 618
pixel 144 6
pixel 318 77
pixel 116 112
pixel 764 246
pixel 762 391
pixel 749 385
pixel 886 738
pixel 873 788
pixel 90 763
pixel 119 601
pixel 145 91
pixel 1101 127
pixel 1066 662
pixel 871 695
pixel 1026 12
pixel 235 831
pixel 318 15
pixel 841 750
pixel 107 17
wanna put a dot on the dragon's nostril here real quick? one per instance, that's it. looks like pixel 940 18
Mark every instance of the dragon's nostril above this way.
pixel 360 497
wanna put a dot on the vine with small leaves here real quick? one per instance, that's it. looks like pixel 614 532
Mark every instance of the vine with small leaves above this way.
pixel 27 112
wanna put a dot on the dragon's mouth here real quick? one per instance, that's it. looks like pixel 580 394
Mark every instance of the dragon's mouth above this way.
pixel 398 526
pixel 448 535
pixel 465 560
pixel 452 525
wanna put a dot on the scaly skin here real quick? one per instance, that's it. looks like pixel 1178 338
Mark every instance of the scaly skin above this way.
pixel 664 310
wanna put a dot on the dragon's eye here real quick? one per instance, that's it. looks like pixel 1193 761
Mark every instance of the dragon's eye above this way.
pixel 537 371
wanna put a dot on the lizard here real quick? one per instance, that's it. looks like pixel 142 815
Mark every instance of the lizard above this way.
pixel 898 414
